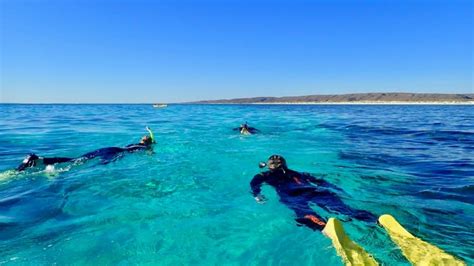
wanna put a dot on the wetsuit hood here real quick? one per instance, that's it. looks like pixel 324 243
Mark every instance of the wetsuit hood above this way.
pixel 276 162
pixel 146 140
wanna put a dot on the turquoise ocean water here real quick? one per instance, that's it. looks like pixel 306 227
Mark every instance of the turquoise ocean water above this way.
pixel 189 201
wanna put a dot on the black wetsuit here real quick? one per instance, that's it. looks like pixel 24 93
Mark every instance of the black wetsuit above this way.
pixel 105 154
pixel 297 191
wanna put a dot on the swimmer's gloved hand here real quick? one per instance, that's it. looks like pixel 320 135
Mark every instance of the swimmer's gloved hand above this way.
pixel 151 135
pixel 260 199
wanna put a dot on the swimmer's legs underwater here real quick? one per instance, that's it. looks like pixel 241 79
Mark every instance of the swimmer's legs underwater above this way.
pixel 32 160
pixel 305 215
pixel 105 154
pixel 54 160
pixel 332 203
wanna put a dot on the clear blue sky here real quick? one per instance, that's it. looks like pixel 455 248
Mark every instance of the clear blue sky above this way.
pixel 171 51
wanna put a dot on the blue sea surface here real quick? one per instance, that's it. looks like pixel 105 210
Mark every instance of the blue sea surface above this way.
pixel 189 202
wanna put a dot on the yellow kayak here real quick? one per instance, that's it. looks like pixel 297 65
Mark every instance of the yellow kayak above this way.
pixel 417 251
pixel 350 252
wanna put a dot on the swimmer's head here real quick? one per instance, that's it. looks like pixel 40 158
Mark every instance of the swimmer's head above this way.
pixel 244 129
pixel 146 140
pixel 29 161
pixel 276 162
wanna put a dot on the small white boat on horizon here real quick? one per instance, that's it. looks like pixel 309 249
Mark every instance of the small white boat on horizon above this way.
pixel 160 105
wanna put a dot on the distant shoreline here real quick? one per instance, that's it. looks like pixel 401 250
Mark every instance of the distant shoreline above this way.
pixel 368 103
pixel 338 103
pixel 356 98
pixel 262 103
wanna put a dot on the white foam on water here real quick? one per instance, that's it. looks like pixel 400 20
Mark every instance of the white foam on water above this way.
pixel 49 168
pixel 6 175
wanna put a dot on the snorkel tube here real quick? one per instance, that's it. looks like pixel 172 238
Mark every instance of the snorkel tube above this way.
pixel 151 135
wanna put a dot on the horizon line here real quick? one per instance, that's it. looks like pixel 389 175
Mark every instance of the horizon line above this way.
pixel 223 99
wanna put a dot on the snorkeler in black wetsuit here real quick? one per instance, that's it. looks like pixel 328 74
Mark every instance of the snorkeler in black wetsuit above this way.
pixel 106 154
pixel 244 129
pixel 297 191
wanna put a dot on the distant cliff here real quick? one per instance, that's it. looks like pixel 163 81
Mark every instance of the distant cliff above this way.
pixel 355 98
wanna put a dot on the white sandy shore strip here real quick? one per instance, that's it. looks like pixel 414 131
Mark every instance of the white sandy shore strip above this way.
pixel 357 103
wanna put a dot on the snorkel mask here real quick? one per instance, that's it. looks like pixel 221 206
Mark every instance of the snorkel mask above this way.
pixel 244 126
pixel 146 140
pixel 274 163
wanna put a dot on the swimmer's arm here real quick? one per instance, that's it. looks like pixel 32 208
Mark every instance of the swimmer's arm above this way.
pixel 151 134
pixel 320 182
pixel 311 179
pixel 256 187
pixel 314 180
